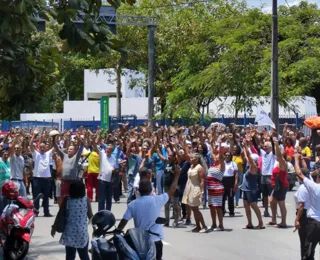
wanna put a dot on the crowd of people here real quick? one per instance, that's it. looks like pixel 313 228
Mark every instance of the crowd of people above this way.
pixel 183 168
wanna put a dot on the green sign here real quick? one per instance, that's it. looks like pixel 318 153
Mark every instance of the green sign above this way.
pixel 104 104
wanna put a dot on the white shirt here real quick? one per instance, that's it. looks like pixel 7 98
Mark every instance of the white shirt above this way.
pixel 268 162
pixel 144 211
pixel 302 196
pixel 17 166
pixel 136 186
pixel 314 195
pixel 42 164
pixel 107 165
pixel 230 167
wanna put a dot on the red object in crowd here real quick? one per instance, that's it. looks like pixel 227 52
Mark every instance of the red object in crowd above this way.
pixel 282 176
pixel 10 190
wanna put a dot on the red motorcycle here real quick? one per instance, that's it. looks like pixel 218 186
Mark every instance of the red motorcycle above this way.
pixel 16 223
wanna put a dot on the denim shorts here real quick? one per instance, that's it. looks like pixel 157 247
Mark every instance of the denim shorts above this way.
pixel 280 195
pixel 250 196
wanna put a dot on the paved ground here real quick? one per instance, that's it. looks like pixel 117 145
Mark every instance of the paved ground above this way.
pixel 235 243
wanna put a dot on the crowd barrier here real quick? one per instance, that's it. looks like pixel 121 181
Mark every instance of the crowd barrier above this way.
pixel 92 124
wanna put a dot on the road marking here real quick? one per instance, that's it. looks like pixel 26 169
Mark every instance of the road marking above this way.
pixel 165 243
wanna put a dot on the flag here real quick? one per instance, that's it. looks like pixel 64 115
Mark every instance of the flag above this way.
pixel 263 119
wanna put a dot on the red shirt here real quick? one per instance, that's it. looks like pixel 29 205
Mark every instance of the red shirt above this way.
pixel 282 175
pixel 289 151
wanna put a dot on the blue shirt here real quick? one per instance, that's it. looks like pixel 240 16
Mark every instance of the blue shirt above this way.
pixel 160 165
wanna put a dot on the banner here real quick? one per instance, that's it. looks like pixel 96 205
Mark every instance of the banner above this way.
pixel 263 119
pixel 104 105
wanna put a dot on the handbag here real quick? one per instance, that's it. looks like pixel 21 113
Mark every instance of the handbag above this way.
pixel 60 221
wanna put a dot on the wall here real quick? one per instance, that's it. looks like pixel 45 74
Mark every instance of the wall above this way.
pixel 303 106
pixel 86 110
pixel 105 82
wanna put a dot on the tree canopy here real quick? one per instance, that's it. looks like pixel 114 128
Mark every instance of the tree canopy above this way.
pixel 204 50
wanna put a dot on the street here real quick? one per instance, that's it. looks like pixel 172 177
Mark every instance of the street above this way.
pixel 180 243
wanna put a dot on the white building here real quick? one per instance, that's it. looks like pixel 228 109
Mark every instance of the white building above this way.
pixel 135 102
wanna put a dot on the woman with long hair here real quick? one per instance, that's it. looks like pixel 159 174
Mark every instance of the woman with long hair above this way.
pixel 280 186
pixel 250 188
pixel 194 191
pixel 216 188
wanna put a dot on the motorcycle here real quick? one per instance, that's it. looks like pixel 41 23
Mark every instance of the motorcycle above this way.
pixel 17 225
pixel 135 244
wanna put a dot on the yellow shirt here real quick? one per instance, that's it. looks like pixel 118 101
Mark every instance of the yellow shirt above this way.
pixel 239 162
pixel 93 162
pixel 306 151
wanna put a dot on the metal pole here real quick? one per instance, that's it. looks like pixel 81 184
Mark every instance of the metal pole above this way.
pixel 151 64
pixel 274 67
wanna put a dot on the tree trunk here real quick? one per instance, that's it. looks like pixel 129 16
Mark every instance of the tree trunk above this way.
pixel 118 93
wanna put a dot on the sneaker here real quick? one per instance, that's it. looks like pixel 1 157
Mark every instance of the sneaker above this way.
pixel 266 214
pixel 187 222
pixel 231 215
pixel 48 215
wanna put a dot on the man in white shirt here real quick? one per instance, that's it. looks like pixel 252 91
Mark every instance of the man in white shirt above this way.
pixel 313 212
pixel 107 167
pixel 41 174
pixel 146 209
pixel 17 168
pixel 302 205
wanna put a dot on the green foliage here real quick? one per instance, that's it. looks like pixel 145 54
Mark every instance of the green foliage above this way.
pixel 34 73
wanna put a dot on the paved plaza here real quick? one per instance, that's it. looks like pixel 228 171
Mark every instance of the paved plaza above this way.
pixel 181 244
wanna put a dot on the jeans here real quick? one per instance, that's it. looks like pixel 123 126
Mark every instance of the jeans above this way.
pixel 52 193
pixel 159 180
pixel 22 188
pixel 3 203
pixel 116 188
pixel 130 187
pixel 238 191
pixel 105 195
pixel 42 185
pixel 71 253
pixel 175 205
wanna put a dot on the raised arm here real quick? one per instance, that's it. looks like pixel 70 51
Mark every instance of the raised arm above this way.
pixel 32 148
pixel 280 159
pixel 221 158
pixel 253 169
pixel 56 147
pixel 174 184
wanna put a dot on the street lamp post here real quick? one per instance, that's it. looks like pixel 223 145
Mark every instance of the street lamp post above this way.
pixel 274 67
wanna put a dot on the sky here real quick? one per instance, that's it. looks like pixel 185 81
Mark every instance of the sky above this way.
pixel 268 3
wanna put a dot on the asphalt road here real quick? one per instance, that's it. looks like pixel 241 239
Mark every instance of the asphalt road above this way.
pixel 180 243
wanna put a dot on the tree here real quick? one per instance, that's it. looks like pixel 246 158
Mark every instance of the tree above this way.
pixel 27 67
pixel 298 53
